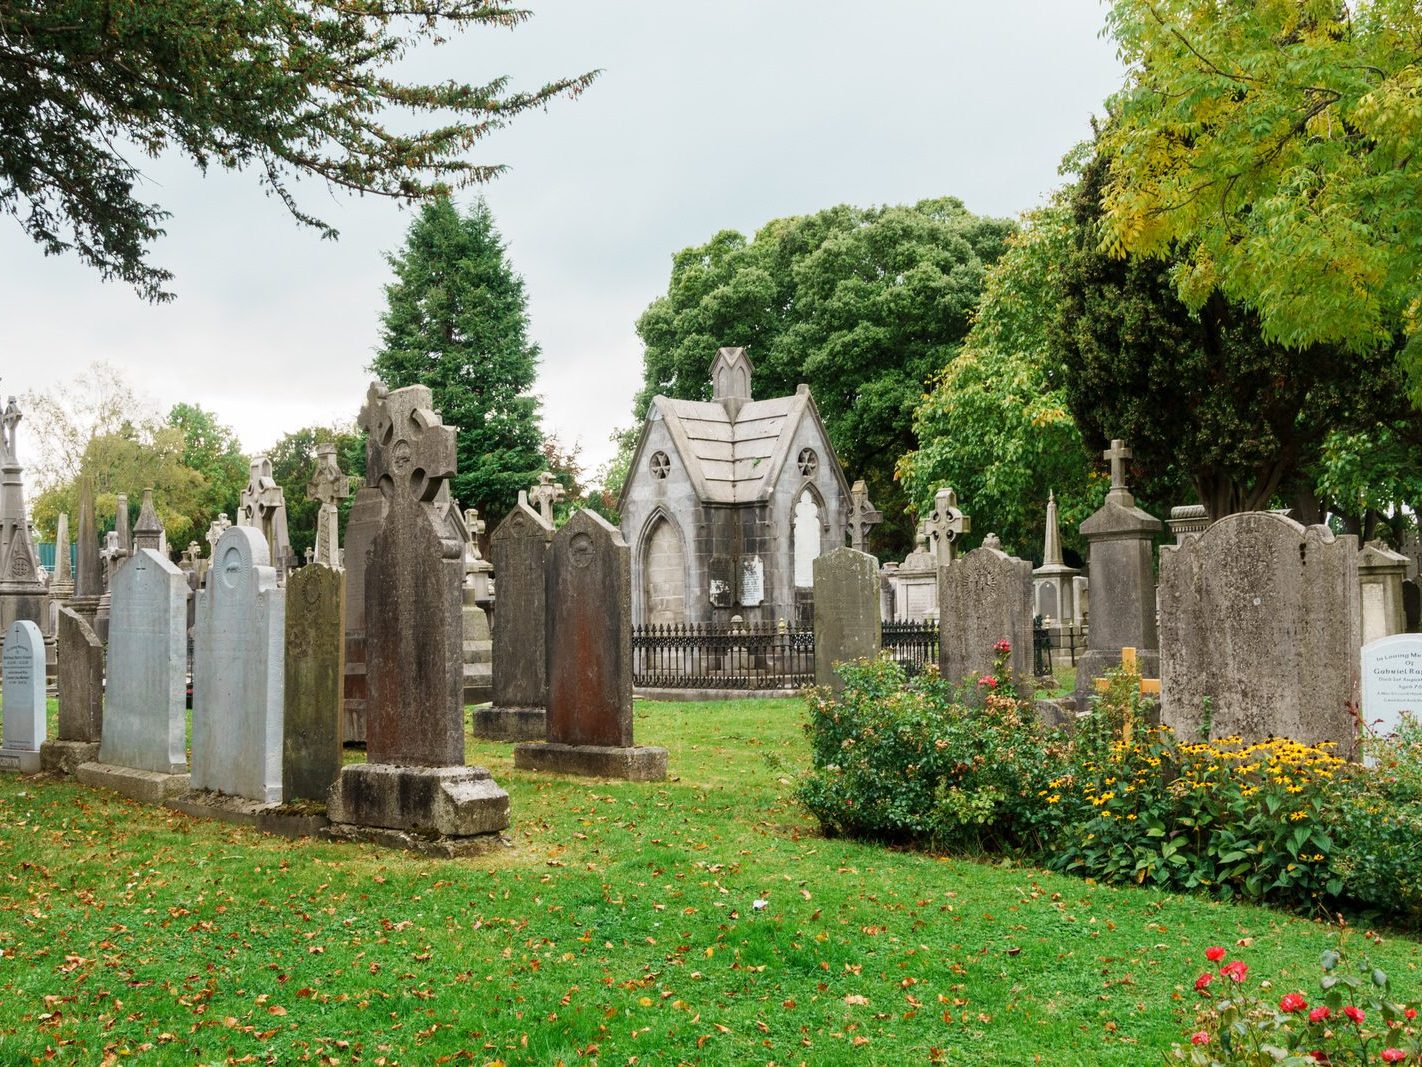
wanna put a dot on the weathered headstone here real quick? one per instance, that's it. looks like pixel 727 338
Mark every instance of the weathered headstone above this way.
pixel 81 696
pixel 315 676
pixel 1260 631
pixel 848 625
pixel 589 616
pixel 61 586
pixel 88 578
pixel 983 598
pixel 23 688
pixel 239 654
pixel 520 679
pixel 1392 682
pixel 143 752
pixel 1120 537
pixel 1381 572
pixel 416 778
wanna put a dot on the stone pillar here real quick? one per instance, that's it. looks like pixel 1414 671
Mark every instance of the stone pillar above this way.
pixel 848 625
pixel 88 578
pixel 590 659
pixel 1380 575
pixel 1121 564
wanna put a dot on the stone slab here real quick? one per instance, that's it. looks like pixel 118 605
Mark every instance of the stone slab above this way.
pixel 983 598
pixel 1392 682
pixel 439 801
pixel 633 764
pixel 284 820
pixel 150 787
pixel 520 652
pixel 510 724
pixel 315 677
pixel 64 757
pixel 20 761
pixel 421 844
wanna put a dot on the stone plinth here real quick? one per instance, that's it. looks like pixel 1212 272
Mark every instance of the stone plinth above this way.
pixel 448 801
pixel 520 667
pixel 847 622
pixel 315 676
pixel 589 656
pixel 24 687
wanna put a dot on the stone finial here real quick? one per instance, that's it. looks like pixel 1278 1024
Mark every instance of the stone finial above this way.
pixel 121 527
pixel 1117 455
pixel 148 532
pixel 731 379
pixel 476 527
pixel 945 525
pixel 545 494
pixel 993 542
pixel 1052 550
pixel 863 516
pixel 9 423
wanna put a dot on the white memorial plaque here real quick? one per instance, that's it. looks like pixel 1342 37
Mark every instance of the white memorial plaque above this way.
pixel 752 591
pixel 1392 681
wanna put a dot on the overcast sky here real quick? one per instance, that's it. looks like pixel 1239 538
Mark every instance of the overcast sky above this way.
pixel 707 117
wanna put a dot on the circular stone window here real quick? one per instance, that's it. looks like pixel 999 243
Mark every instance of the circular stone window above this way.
pixel 809 462
pixel 659 465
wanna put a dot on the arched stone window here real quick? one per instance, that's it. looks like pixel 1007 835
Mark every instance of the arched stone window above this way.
pixel 805 537
pixel 664 574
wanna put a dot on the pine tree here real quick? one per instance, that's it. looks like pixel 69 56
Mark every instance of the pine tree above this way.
pixel 457 321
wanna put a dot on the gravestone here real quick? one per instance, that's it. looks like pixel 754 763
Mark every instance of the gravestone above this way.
pixel 520 669
pixel 329 485
pixel 1120 539
pixel 1381 572
pixel 61 586
pixel 913 584
pixel 367 513
pixel 315 676
pixel 416 784
pixel 1053 585
pixel 81 696
pixel 263 505
pixel 238 670
pixel 148 531
pixel 23 689
pixel 983 598
pixel 945 525
pixel 545 494
pixel 863 516
pixel 143 752
pixel 88 577
pixel 1392 682
pixel 589 625
pixel 1260 625
pixel 847 622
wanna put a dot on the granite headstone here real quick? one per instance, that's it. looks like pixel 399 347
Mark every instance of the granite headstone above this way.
pixel 984 597
pixel 23 688
pixel 848 625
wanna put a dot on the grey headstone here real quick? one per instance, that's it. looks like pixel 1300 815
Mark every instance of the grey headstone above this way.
pixel 238 663
pixel 1381 572
pixel 81 679
pixel 145 704
pixel 1392 682
pixel 24 685
pixel 1260 622
pixel 315 670
pixel 984 597
pixel 847 621
pixel 520 551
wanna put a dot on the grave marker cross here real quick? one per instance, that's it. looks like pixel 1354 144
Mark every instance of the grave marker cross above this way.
pixel 545 494
pixel 945 525
pixel 862 514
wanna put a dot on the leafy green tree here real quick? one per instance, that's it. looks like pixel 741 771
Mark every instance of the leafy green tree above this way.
pixel 293 459
pixel 287 88
pixel 1201 396
pixel 457 321
pixel 862 304
pixel 1273 151
pixel 996 426
pixel 212 449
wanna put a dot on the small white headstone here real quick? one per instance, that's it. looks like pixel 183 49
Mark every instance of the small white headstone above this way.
pixel 24 698
pixel 1392 681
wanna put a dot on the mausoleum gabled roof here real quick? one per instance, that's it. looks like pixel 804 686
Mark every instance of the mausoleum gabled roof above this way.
pixel 734 460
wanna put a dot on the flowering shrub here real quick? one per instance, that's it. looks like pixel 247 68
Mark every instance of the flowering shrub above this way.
pixel 906 761
pixel 1353 1019
pixel 1236 819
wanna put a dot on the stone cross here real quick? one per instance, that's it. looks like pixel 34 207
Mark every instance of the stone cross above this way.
pixel 215 531
pixel 476 527
pixel 945 525
pixel 329 485
pixel 545 494
pixel 9 453
pixel 1117 455
pixel 862 515
pixel 263 505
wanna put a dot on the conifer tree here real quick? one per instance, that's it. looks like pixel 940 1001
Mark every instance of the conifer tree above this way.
pixel 457 321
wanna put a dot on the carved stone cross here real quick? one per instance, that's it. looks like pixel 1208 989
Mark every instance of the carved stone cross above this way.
pixel 328 485
pixel 215 531
pixel 862 514
pixel 414 451
pixel 9 451
pixel 476 527
pixel 945 525
pixel 545 494
pixel 1117 455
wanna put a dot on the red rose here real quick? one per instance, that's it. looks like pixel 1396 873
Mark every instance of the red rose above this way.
pixel 1293 1002
pixel 1393 1055
pixel 1319 1055
pixel 1319 1013
pixel 1204 980
pixel 1356 1014
pixel 987 681
pixel 1200 1037
pixel 1214 953
pixel 1004 646
pixel 1235 970
pixel 1411 1013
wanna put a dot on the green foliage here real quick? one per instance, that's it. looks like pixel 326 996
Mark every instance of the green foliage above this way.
pixel 1353 1019
pixel 996 426
pixel 1202 398
pixel 213 451
pixel 457 321
pixel 863 305
pixel 1281 145
pixel 293 462
pixel 286 88
pixel 904 761
pixel 1377 824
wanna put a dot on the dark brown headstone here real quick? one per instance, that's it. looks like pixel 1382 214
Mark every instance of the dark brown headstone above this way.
pixel 315 662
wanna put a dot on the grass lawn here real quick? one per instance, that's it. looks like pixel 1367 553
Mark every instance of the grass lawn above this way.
pixel 620 925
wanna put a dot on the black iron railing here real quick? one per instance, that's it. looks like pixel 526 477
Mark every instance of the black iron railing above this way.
pixel 912 644
pixel 704 656
pixel 1041 651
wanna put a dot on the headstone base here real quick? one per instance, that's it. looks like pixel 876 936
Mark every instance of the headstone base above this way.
pixel 511 724
pixel 640 764
pixel 21 760
pixel 64 757
pixel 285 820
pixel 478 687
pixel 421 844
pixel 429 801
pixel 150 787
pixel 1093 665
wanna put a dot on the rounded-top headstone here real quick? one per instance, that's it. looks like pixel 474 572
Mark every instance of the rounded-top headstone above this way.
pixel 24 728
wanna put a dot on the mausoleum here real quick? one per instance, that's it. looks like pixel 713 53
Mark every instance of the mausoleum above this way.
pixel 728 503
